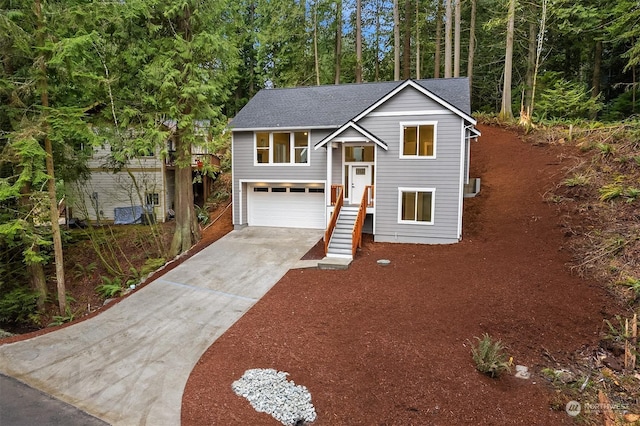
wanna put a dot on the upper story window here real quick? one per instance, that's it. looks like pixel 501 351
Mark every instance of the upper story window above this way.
pixel 282 147
pixel 418 140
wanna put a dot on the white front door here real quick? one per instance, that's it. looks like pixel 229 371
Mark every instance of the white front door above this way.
pixel 360 178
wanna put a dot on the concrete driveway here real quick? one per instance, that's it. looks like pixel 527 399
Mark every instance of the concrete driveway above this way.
pixel 129 365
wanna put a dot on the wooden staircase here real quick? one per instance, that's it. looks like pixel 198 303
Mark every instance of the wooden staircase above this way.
pixel 341 242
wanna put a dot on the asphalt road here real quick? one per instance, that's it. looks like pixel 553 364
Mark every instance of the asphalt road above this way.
pixel 21 405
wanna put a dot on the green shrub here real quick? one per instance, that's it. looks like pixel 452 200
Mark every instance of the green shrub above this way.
pixel 610 192
pixel 62 319
pixel 18 305
pixel 110 287
pixel 564 99
pixel 577 179
pixel 490 357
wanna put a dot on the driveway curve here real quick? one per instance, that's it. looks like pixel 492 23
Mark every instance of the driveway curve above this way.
pixel 129 365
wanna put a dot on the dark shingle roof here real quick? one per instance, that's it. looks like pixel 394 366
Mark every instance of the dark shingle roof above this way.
pixel 334 105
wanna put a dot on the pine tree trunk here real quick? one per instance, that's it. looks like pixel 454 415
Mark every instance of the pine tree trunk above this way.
pixel 51 182
pixel 35 271
pixel 506 111
pixel 377 62
pixel 456 44
pixel 359 41
pixel 448 30
pixel 316 59
pixel 406 43
pixel 396 41
pixel 531 65
pixel 418 61
pixel 187 232
pixel 597 69
pixel 472 45
pixel 438 47
pixel 338 40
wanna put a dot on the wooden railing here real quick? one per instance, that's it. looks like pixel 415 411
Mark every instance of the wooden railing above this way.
pixel 356 236
pixel 339 200
pixel 335 189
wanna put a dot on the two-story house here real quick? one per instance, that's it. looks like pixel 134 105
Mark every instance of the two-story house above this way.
pixel 389 157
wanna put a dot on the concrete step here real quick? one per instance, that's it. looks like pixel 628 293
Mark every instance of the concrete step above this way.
pixel 335 262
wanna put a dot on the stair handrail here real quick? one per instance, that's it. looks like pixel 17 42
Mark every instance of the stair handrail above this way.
pixel 356 236
pixel 335 189
pixel 334 216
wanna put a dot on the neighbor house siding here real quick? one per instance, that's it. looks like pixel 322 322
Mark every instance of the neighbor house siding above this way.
pixel 244 169
pixel 441 173
pixel 115 190
pixel 104 190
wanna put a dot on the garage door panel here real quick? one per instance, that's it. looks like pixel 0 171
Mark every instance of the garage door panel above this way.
pixel 286 209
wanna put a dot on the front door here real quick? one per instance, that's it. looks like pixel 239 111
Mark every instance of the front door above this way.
pixel 360 178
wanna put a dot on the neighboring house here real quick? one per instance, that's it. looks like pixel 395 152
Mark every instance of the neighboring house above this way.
pixel 390 157
pixel 144 184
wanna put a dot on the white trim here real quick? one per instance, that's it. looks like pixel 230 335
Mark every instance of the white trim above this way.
pixel 463 152
pixel 292 149
pixel 404 124
pixel 358 129
pixel 352 139
pixel 416 222
pixel 408 113
pixel 241 182
pixel 358 142
pixel 424 91
pixel 233 179
pixel 283 181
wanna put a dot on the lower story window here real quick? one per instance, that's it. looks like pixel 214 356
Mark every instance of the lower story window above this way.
pixel 153 199
pixel 416 205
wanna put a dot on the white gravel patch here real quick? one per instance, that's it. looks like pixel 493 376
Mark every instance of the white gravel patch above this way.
pixel 269 391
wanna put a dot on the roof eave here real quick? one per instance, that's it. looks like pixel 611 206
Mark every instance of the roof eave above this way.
pixel 358 129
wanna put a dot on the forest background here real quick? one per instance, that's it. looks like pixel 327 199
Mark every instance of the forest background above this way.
pixel 76 74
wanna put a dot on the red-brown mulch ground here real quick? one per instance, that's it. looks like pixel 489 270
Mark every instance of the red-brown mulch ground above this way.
pixel 391 345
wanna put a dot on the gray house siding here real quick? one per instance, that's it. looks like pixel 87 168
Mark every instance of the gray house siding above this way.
pixel 243 168
pixel 441 173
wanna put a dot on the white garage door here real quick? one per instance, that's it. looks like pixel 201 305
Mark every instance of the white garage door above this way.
pixel 285 206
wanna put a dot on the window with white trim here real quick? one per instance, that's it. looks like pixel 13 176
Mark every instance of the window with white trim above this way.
pixel 282 148
pixel 418 140
pixel 416 205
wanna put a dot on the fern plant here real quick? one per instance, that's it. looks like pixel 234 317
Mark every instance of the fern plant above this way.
pixel 490 357
pixel 110 287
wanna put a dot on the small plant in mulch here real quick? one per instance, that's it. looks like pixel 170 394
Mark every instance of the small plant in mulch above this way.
pixel 110 287
pixel 490 357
